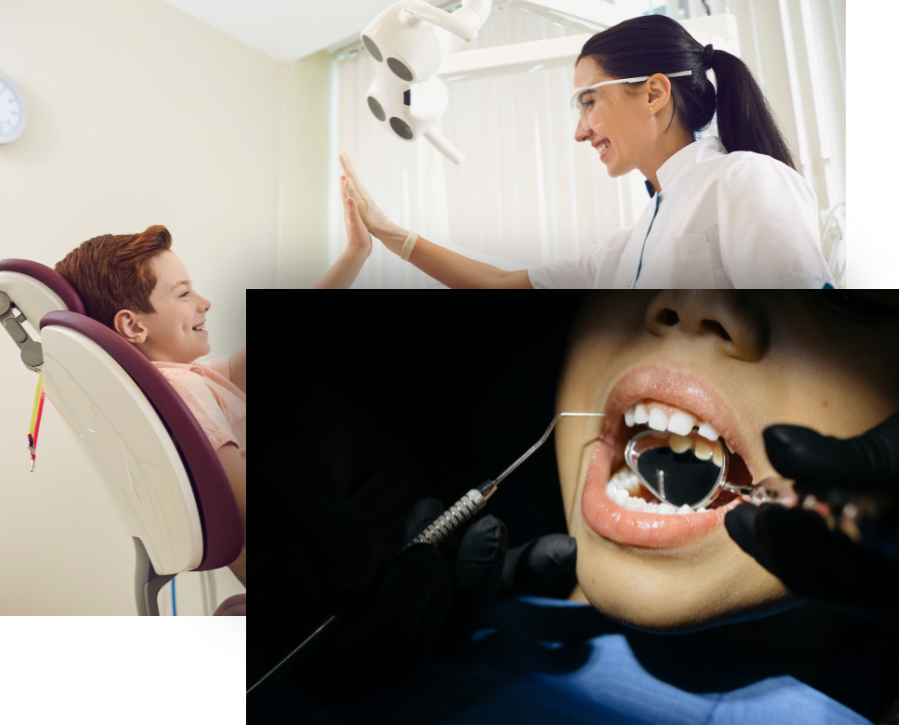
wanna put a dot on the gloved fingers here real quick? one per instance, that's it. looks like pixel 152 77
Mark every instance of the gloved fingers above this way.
pixel 375 219
pixel 342 549
pixel 536 563
pixel 387 623
pixel 347 164
pixel 350 191
pixel 479 567
pixel 798 547
pixel 421 516
pixel 410 656
pixel 824 465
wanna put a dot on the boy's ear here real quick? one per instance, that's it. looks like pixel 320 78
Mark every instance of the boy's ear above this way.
pixel 127 325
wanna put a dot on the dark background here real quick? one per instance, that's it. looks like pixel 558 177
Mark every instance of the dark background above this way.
pixel 390 405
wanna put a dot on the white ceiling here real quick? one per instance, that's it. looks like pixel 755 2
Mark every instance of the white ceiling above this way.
pixel 288 29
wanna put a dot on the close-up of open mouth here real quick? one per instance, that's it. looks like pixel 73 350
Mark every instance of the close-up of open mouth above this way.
pixel 689 417
pixel 625 488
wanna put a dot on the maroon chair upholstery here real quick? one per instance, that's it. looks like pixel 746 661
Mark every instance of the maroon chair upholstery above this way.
pixel 235 606
pixel 219 514
pixel 217 508
pixel 55 281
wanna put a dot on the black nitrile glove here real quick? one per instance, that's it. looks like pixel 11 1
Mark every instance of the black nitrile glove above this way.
pixel 811 554
pixel 425 603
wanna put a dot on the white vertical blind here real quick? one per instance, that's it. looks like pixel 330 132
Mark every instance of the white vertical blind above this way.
pixel 527 192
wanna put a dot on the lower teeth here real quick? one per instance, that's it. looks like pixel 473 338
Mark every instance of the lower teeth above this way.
pixel 626 480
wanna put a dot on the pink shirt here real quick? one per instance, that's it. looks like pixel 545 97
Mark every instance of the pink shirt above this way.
pixel 218 404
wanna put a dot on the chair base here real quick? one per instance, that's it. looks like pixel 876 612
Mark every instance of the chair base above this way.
pixel 147 582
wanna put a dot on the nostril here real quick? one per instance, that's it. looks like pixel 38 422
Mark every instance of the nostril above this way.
pixel 716 328
pixel 667 317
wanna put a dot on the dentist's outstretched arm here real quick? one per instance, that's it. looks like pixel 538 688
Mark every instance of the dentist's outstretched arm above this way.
pixel 449 268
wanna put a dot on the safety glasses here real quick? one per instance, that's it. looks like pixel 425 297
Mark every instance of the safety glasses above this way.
pixel 595 103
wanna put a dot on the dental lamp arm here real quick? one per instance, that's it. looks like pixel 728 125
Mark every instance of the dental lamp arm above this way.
pixel 444 146
pixel 451 22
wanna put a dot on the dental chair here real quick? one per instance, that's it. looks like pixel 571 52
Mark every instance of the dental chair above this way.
pixel 147 447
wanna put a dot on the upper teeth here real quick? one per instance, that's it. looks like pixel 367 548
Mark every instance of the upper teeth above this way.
pixel 200 327
pixel 675 420
pixel 602 147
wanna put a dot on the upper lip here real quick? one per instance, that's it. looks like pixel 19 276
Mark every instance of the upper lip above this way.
pixel 683 389
pixel 597 143
pixel 200 323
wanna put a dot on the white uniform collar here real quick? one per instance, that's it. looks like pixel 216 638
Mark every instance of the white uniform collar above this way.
pixel 681 161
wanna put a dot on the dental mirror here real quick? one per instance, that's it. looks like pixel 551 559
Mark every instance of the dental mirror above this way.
pixel 678 469
pixel 692 470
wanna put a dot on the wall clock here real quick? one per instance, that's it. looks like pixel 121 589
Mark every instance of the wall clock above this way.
pixel 13 114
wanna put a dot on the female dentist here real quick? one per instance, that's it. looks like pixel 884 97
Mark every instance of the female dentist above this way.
pixel 728 212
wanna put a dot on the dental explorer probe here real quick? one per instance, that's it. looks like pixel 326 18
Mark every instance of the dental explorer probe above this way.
pixel 460 512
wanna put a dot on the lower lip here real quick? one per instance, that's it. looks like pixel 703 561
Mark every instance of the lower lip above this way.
pixel 200 332
pixel 653 531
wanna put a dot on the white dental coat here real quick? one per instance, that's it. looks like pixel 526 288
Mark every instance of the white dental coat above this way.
pixel 722 220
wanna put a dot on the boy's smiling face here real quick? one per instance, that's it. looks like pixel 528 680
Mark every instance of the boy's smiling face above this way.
pixel 168 335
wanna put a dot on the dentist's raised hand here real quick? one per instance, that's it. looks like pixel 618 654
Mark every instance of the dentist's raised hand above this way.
pixel 392 235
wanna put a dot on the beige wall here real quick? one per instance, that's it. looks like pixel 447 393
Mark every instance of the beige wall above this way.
pixel 307 192
pixel 139 114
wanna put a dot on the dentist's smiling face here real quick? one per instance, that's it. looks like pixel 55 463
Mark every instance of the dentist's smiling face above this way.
pixel 738 361
pixel 627 122
pixel 169 334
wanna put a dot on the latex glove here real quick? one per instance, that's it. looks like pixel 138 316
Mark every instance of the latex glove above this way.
pixel 818 556
pixel 358 239
pixel 426 602
pixel 391 235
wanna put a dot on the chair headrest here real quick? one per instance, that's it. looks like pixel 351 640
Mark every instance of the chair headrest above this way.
pixel 58 284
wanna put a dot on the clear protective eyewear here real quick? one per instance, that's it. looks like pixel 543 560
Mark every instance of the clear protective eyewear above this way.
pixel 602 98
pixel 692 470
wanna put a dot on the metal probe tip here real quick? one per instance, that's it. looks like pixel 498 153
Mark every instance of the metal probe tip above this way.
pixel 486 490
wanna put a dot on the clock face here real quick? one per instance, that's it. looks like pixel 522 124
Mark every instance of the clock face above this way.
pixel 11 111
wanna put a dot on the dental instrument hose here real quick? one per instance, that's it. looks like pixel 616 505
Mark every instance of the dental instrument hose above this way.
pixel 460 512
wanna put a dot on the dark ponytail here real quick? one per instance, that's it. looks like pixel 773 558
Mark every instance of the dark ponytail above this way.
pixel 657 44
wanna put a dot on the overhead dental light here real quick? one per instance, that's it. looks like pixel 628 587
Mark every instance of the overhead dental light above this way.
pixel 408 42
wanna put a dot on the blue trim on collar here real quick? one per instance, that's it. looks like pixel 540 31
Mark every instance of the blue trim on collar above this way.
pixel 641 260
pixel 827 286
pixel 649 188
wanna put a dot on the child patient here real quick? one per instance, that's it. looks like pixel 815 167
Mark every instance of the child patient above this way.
pixel 134 284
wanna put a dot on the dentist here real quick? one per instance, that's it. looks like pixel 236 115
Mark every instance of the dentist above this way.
pixel 724 212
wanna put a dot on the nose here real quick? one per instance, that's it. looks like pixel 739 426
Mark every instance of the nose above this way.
pixel 733 321
pixel 581 133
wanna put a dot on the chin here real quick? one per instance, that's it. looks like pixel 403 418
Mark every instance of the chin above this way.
pixel 658 594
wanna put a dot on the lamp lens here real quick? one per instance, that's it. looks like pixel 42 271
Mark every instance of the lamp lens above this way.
pixel 376 108
pixel 400 69
pixel 402 129
pixel 373 49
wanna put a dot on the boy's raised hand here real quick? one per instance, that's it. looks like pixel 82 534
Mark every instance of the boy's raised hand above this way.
pixel 358 238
